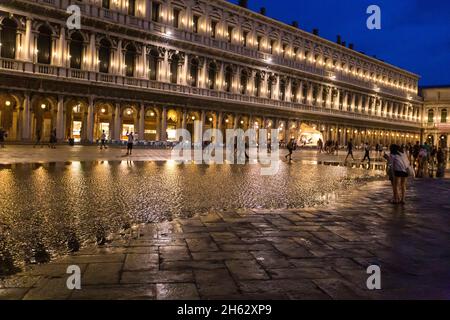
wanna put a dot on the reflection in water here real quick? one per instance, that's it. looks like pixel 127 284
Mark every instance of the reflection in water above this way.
pixel 46 209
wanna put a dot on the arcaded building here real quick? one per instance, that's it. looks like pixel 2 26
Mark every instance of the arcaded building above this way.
pixel 436 121
pixel 151 67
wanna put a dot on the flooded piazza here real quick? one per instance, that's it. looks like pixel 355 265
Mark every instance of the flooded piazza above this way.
pixel 49 209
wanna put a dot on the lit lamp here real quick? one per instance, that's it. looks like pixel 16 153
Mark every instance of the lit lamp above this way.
pixel 8 103
pixel 152 114
pixel 43 106
pixel 103 110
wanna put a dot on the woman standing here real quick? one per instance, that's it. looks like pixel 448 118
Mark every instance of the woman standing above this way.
pixel 401 170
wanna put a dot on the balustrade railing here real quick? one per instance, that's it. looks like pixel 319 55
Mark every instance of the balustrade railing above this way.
pixel 118 80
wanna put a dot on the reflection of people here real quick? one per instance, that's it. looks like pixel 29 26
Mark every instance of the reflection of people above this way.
pixel 290 148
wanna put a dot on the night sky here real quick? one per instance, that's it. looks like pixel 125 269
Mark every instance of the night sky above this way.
pixel 415 34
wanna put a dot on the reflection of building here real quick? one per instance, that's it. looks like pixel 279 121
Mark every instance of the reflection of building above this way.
pixel 154 66
pixel 436 121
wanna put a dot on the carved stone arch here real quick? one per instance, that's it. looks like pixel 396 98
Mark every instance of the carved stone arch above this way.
pixel 112 41
pixel 15 19
pixel 37 24
pixel 84 35
pixel 216 13
pixel 72 101
pixel 155 109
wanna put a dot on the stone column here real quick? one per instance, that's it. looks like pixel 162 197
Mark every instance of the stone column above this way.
pixel 141 132
pixel 60 130
pixel 26 118
pixel 90 120
pixel 163 136
pixel 117 117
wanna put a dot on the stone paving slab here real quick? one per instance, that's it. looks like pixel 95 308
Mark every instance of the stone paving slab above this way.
pixel 311 253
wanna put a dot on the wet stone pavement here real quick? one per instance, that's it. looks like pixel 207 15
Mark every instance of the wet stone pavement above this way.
pixel 315 253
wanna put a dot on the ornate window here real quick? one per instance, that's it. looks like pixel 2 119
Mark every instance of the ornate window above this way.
pixel 444 116
pixel 194 72
pixel 228 79
pixel 104 56
pixel 132 7
pixel 244 81
pixel 174 69
pixel 212 73
pixel 430 116
pixel 8 39
pixel 153 64
pixel 258 81
pixel 44 45
pixel 76 50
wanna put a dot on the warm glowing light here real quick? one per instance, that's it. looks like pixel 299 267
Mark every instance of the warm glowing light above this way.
pixel 8 103
pixel 103 110
pixel 43 106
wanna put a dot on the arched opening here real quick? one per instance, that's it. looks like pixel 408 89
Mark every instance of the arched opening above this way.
pixel 194 72
pixel 42 119
pixel 212 75
pixel 103 121
pixel 244 82
pixel 430 116
pixel 153 64
pixel 151 125
pixel 44 45
pixel 104 56
pixel 76 50
pixel 76 121
pixel 190 124
pixel 129 117
pixel 130 60
pixel 228 79
pixel 444 116
pixel 9 115
pixel 172 124
pixel 174 63
pixel 8 39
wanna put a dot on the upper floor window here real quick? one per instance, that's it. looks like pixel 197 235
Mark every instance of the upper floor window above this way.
pixel 444 116
pixel 104 56
pixel 245 38
pixel 228 79
pixel 76 50
pixel 176 17
pixel 44 45
pixel 284 50
pixel 105 4
pixel 132 7
pixel 130 60
pixel 283 90
pixel 196 21
pixel 294 90
pixel 230 34
pixel 270 87
pixel 430 116
pixel 212 74
pixel 194 72
pixel 153 64
pixel 258 81
pixel 213 29
pixel 156 7
pixel 174 63
pixel 296 52
pixel 272 46
pixel 258 42
pixel 8 39
pixel 244 81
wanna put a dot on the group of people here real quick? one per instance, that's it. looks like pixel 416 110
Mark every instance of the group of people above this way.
pixel 330 146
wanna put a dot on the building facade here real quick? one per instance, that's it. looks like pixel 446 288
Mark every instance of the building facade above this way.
pixel 436 120
pixel 152 66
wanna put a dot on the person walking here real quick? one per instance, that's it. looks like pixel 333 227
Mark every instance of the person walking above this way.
pixel 103 141
pixel 350 150
pixel 366 152
pixel 130 143
pixel 290 147
pixel 320 145
pixel 3 136
pixel 53 139
pixel 440 157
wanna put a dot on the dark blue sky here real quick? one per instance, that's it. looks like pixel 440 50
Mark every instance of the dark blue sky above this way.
pixel 415 34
